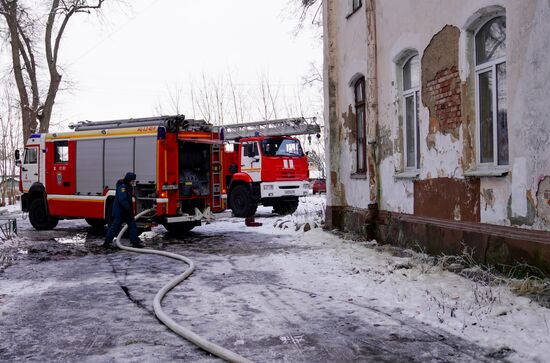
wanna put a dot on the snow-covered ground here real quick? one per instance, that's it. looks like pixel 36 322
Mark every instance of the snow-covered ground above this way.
pixel 285 291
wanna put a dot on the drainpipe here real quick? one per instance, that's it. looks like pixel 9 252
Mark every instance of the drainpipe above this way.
pixel 372 112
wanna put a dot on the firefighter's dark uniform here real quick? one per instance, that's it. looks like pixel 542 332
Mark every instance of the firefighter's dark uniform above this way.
pixel 123 212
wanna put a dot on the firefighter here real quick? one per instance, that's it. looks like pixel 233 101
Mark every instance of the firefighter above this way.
pixel 123 212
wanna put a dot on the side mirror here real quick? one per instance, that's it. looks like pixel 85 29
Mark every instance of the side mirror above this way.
pixel 307 153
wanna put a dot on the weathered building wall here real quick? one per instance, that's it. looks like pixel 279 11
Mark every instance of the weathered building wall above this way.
pixel 449 184
pixel 347 41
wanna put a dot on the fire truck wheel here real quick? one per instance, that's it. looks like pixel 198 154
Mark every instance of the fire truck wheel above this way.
pixel 95 222
pixel 39 217
pixel 241 202
pixel 178 229
pixel 285 207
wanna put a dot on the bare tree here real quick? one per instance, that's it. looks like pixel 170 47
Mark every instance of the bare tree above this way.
pixel 24 37
pixel 268 97
pixel 238 101
pixel 10 140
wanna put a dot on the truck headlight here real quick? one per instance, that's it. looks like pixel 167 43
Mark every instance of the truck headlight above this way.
pixel 268 187
pixel 306 186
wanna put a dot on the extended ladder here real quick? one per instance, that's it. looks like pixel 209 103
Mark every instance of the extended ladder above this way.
pixel 281 127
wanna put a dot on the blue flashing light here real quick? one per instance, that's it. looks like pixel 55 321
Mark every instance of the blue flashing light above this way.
pixel 34 136
pixel 222 134
pixel 161 133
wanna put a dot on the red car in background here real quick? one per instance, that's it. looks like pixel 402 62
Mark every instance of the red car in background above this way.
pixel 319 186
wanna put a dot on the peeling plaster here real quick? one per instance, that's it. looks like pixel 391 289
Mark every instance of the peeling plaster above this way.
pixel 441 85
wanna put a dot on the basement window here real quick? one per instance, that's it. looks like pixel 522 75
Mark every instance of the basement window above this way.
pixel 491 95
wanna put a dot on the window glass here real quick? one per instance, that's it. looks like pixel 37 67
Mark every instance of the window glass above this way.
pixel 502 115
pixel 360 91
pixel 411 73
pixel 410 130
pixel 281 147
pixel 417 98
pixel 31 156
pixel 491 41
pixel 361 147
pixel 61 151
pixel 486 116
pixel 360 125
pixel 356 4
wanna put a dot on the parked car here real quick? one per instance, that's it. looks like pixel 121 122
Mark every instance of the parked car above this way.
pixel 319 186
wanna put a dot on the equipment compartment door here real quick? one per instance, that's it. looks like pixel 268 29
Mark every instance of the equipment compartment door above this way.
pixel 61 176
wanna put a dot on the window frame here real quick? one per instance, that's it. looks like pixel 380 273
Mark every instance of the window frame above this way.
pixel 491 67
pixel 416 94
pixel 56 146
pixel 352 9
pixel 26 156
pixel 360 169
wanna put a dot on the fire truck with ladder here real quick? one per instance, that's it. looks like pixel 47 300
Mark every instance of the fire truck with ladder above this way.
pixel 178 163
pixel 182 168
pixel 266 166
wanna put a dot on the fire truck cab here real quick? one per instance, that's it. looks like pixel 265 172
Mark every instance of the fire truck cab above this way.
pixel 272 171
pixel 266 166
pixel 178 164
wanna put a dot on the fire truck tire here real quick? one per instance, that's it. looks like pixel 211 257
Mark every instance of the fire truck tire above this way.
pixel 178 229
pixel 285 207
pixel 95 222
pixel 39 217
pixel 241 202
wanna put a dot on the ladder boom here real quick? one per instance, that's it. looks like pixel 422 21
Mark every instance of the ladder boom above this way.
pixel 280 127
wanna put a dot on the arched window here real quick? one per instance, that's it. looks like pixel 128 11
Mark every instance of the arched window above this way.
pixel 490 60
pixel 360 122
pixel 411 103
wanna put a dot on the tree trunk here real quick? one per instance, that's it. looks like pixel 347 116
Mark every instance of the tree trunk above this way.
pixel 28 114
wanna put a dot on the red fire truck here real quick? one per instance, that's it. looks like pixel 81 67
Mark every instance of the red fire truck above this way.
pixel 178 164
pixel 266 166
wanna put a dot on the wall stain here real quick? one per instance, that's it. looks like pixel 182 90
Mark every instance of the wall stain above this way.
pixel 349 119
pixel 529 219
pixel 447 198
pixel 385 144
pixel 488 196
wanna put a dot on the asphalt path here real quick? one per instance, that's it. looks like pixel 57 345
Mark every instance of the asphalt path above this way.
pixel 66 299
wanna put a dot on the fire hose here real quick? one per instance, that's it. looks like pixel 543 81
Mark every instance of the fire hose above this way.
pixel 194 338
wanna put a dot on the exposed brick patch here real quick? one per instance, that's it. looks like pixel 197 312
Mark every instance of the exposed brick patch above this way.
pixel 445 90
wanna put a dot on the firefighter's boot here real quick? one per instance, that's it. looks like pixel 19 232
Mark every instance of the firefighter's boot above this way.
pixel 137 244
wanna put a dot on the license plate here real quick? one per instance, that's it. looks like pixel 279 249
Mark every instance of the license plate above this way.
pixel 291 192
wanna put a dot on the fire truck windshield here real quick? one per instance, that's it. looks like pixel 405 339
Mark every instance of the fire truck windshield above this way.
pixel 281 147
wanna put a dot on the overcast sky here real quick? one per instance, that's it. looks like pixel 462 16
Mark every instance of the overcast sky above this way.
pixel 125 63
